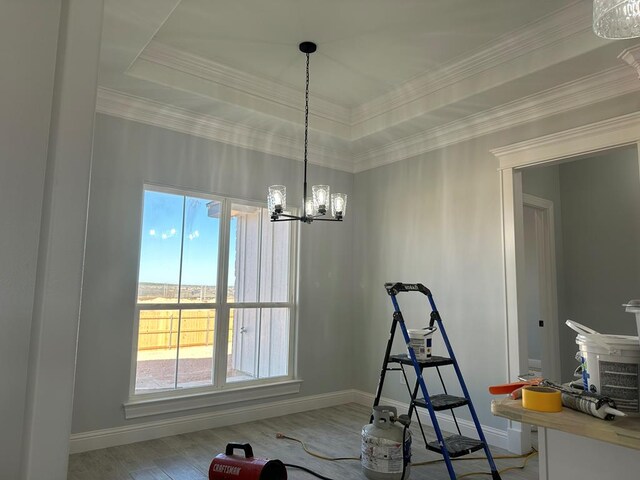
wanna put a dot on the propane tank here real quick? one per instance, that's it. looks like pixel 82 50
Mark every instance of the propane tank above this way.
pixel 386 445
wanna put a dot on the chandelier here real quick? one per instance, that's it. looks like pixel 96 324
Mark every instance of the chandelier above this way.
pixel 616 19
pixel 323 205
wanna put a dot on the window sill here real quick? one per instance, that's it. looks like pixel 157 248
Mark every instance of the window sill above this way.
pixel 145 407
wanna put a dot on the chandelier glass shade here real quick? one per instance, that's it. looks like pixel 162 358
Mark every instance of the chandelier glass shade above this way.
pixel 616 19
pixel 322 204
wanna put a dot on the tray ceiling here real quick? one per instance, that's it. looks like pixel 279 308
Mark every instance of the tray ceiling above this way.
pixel 384 70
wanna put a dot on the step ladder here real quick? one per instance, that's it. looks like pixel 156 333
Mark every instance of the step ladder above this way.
pixel 454 445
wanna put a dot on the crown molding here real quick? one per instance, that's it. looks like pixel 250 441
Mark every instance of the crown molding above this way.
pixel 592 138
pixel 632 57
pixel 250 86
pixel 118 104
pixel 576 94
pixel 548 31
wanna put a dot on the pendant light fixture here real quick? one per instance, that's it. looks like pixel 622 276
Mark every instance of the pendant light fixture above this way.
pixel 616 19
pixel 322 205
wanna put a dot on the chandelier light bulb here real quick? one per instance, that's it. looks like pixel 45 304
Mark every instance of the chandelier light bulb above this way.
pixel 616 19
pixel 338 204
pixel 277 198
pixel 321 196
pixel 308 208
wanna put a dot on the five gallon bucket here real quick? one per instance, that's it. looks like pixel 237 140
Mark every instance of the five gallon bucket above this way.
pixel 611 365
pixel 420 340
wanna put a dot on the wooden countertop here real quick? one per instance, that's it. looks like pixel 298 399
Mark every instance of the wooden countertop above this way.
pixel 623 431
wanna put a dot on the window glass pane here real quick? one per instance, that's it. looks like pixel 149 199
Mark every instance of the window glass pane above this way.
pixel 244 249
pixel 160 248
pixel 259 344
pixel 274 260
pixel 195 357
pixel 157 341
pixel 274 343
pixel 200 250
pixel 179 263
pixel 244 333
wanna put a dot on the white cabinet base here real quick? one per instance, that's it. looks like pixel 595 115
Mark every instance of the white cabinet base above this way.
pixel 565 456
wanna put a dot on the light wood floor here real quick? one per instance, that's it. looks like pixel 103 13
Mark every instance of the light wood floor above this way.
pixel 331 431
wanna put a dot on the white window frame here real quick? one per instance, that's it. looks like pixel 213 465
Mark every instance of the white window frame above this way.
pixel 221 391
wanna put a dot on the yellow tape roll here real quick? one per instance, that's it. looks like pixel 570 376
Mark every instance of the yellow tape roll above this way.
pixel 542 399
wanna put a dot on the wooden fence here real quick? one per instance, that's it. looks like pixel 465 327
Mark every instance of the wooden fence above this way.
pixel 158 329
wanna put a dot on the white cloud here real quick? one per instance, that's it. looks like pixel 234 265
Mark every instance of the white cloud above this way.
pixel 167 234
pixel 152 232
pixel 194 234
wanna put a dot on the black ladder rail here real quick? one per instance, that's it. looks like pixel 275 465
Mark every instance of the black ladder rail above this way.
pixel 454 445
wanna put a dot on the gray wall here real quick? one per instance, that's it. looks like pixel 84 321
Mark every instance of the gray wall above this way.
pixel 544 182
pixel 601 235
pixel 128 154
pixel 29 34
pixel 597 205
pixel 531 279
pixel 435 219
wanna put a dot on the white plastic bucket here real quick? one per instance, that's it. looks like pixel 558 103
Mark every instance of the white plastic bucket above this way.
pixel 633 306
pixel 420 341
pixel 611 365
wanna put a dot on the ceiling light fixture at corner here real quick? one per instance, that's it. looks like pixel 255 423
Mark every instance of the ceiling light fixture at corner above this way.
pixel 616 19
pixel 322 200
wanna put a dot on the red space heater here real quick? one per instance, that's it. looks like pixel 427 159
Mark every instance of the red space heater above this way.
pixel 229 466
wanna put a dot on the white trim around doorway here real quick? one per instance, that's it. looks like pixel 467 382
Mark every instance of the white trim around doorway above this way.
pixel 585 140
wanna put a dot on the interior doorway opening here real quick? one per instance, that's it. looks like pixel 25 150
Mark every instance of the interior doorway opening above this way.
pixel 552 149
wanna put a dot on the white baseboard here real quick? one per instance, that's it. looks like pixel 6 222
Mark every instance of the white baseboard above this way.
pixel 495 437
pixel 111 437
pixel 535 364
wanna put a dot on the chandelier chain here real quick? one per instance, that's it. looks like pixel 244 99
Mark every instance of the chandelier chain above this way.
pixel 306 136
pixel 306 112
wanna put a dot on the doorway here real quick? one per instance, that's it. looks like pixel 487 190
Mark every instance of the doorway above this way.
pixel 540 291
pixel 573 143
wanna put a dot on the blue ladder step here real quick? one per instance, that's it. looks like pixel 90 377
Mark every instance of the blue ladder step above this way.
pixel 442 402
pixel 457 445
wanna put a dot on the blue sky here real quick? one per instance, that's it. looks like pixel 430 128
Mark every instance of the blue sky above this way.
pixel 162 234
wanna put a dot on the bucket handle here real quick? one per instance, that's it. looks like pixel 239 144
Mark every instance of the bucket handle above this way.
pixel 248 451
pixel 582 329
pixel 593 335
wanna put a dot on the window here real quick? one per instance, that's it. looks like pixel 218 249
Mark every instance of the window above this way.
pixel 215 299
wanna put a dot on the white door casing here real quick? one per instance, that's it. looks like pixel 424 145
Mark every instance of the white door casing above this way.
pixel 547 283
pixel 585 140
